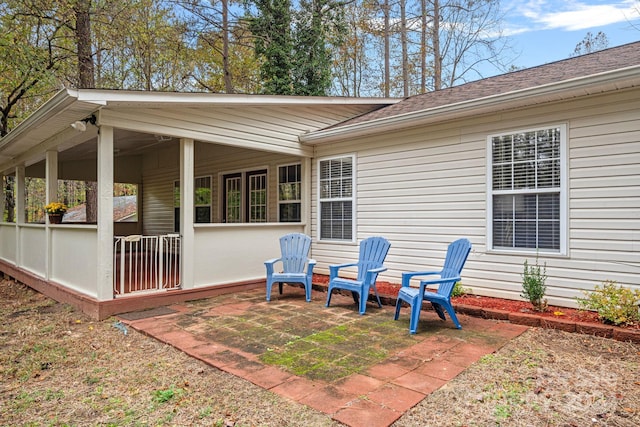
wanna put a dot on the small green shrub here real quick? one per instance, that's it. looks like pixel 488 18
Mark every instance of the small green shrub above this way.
pixel 614 304
pixel 458 290
pixel 533 285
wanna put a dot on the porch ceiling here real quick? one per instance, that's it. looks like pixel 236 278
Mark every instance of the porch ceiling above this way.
pixel 142 120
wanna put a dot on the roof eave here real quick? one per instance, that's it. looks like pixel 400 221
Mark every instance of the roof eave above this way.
pixel 598 83
pixel 60 100
pixel 115 98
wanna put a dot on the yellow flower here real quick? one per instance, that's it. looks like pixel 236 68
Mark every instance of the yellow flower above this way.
pixel 55 208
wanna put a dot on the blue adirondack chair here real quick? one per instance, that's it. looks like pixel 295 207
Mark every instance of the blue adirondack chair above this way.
pixel 294 248
pixel 373 251
pixel 446 279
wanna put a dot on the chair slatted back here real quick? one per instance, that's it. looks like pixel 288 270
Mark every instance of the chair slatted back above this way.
pixel 373 251
pixel 294 248
pixel 457 254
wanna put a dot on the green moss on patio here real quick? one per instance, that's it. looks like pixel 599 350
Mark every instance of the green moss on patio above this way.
pixel 340 350
pixel 305 339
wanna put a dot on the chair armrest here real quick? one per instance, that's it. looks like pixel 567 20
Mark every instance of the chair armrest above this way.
pixel 440 280
pixel 406 277
pixel 425 283
pixel 333 269
pixel 310 264
pixel 269 264
pixel 372 274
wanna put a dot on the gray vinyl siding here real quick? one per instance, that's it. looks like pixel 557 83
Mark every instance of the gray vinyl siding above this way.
pixel 162 169
pixel 426 186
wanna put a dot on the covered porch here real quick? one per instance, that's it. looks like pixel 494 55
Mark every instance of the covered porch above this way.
pixel 208 171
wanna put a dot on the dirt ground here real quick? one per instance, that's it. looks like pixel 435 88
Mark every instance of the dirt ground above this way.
pixel 57 367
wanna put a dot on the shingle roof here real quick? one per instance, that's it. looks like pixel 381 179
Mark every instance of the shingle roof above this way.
pixel 567 69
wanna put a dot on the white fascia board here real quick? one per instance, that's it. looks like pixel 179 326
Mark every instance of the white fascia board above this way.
pixel 54 106
pixel 59 100
pixel 115 98
pixel 599 83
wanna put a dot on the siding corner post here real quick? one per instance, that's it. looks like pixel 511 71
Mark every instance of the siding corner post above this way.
pixel 104 242
pixel 306 195
pixel 187 176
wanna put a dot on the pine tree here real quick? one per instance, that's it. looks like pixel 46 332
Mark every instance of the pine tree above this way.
pixel 273 41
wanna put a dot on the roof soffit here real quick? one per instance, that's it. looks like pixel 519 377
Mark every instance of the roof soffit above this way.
pixel 68 106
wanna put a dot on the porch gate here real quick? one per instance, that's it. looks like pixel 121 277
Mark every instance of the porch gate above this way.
pixel 146 263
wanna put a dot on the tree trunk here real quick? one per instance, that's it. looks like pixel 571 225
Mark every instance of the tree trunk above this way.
pixel 404 47
pixel 86 78
pixel 91 202
pixel 228 85
pixel 387 49
pixel 437 58
pixel 9 202
pixel 423 46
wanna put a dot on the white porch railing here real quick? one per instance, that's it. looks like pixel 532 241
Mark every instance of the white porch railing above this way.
pixel 146 263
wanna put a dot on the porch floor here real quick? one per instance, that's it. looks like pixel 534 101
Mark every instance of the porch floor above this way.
pixel 361 370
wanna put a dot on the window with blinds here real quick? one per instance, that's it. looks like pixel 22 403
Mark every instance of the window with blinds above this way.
pixel 336 182
pixel 527 189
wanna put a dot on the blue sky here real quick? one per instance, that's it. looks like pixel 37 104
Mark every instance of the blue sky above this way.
pixel 544 31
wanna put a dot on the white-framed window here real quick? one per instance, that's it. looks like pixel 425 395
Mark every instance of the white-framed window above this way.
pixel 336 190
pixel 257 196
pixel 244 196
pixel 527 180
pixel 289 193
pixel 201 201
pixel 232 201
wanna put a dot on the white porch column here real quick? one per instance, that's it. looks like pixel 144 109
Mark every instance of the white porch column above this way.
pixel 51 172
pixel 105 214
pixel 2 197
pixel 19 203
pixel 51 182
pixel 187 266
pixel 305 209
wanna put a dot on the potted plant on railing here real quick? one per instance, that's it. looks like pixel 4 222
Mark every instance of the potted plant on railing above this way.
pixel 55 210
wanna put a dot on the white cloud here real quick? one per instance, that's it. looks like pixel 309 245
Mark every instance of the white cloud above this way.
pixel 570 15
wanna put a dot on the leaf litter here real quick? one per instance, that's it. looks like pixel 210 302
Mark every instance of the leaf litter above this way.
pixel 59 367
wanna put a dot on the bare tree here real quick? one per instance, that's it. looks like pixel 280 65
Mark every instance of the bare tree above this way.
pixel 591 43
pixel 466 35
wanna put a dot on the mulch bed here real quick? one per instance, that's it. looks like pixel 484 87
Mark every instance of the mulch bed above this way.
pixel 521 312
